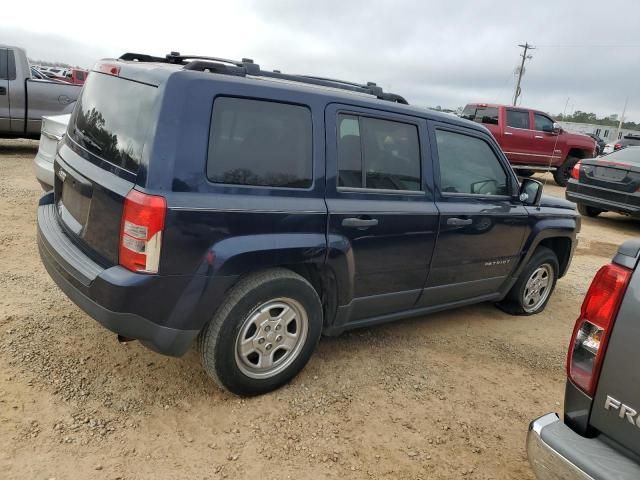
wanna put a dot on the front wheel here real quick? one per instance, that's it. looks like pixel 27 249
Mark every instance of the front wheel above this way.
pixel 263 334
pixel 534 287
pixel 587 211
pixel 563 172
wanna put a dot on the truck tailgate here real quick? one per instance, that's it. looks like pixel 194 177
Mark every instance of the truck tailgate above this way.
pixel 616 406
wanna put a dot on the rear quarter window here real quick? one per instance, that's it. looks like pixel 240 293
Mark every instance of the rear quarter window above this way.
pixel 261 143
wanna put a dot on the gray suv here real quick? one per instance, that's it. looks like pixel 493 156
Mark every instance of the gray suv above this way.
pixel 599 437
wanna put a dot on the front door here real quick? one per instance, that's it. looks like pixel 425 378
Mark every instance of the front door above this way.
pixel 546 145
pixel 482 223
pixel 5 118
pixel 379 196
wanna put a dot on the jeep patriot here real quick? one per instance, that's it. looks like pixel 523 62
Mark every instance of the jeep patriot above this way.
pixel 209 199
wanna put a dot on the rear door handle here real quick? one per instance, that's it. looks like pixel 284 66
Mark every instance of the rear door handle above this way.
pixel 3 90
pixel 508 133
pixel 459 222
pixel 360 222
pixel 539 136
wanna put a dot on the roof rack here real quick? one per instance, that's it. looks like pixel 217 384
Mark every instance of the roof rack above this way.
pixel 246 66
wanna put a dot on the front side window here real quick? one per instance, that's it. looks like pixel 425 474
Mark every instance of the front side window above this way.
pixel 262 143
pixel 517 118
pixel 378 154
pixel 468 165
pixel 542 122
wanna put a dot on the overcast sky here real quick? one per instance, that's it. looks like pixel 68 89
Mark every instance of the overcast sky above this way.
pixel 432 52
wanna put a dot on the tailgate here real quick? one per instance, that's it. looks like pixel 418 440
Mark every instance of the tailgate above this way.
pixel 616 406
pixel 98 162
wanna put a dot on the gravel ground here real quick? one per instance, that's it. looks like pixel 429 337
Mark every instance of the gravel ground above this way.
pixel 445 396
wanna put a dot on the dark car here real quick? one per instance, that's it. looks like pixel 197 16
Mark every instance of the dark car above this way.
pixel 255 210
pixel 599 438
pixel 600 143
pixel 607 184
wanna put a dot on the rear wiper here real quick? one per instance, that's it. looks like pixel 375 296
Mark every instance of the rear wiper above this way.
pixel 88 139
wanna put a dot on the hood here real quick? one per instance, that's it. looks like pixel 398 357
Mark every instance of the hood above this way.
pixel 580 140
pixel 555 202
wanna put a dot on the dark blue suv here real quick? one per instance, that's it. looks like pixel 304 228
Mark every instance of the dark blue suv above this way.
pixel 205 198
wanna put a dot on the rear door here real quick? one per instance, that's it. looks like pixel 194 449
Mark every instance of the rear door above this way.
pixel 380 201
pixel 482 224
pixel 5 118
pixel 517 137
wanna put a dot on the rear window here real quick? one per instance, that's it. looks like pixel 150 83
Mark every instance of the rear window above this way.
pixel 486 115
pixel 112 118
pixel 262 143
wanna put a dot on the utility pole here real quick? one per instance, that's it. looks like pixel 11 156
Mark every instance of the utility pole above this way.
pixel 525 57
pixel 624 110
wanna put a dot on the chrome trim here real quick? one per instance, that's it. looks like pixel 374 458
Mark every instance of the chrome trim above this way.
pixel 387 191
pixel 533 167
pixel 547 463
pixel 533 154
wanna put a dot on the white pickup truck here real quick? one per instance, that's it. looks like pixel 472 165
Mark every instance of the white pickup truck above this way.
pixel 24 100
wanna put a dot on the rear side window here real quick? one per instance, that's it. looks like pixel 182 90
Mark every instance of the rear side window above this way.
pixel 469 166
pixel 111 119
pixel 517 118
pixel 486 115
pixel 255 142
pixel 378 154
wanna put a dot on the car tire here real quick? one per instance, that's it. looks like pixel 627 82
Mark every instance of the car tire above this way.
pixel 525 173
pixel 263 334
pixel 562 174
pixel 542 268
pixel 587 211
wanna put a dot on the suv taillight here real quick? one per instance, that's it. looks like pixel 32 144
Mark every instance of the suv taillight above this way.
pixel 575 171
pixel 141 231
pixel 593 327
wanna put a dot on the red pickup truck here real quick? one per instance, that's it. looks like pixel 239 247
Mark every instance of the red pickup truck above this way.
pixel 532 140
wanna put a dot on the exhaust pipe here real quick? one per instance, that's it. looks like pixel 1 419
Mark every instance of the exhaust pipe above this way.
pixel 122 339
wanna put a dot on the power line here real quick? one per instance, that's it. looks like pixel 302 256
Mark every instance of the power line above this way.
pixel 525 57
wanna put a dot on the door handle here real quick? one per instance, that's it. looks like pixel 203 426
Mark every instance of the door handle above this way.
pixel 360 222
pixel 459 222
pixel 508 133
pixel 539 136
pixel 3 90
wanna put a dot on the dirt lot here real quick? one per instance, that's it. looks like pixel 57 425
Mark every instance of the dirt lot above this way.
pixel 447 396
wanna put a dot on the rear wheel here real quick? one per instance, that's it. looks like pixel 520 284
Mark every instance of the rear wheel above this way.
pixel 588 211
pixel 563 172
pixel 263 334
pixel 534 287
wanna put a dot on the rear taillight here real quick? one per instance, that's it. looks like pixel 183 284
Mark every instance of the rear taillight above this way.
pixel 575 171
pixel 617 146
pixel 141 231
pixel 593 327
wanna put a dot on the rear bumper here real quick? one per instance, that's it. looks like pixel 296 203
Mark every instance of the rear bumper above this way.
pixel 558 453
pixel 601 203
pixel 102 292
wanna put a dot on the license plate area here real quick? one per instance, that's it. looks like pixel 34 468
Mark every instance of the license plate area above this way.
pixel 74 194
pixel 612 174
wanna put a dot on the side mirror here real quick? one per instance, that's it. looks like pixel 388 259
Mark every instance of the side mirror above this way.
pixel 530 192
pixel 555 129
